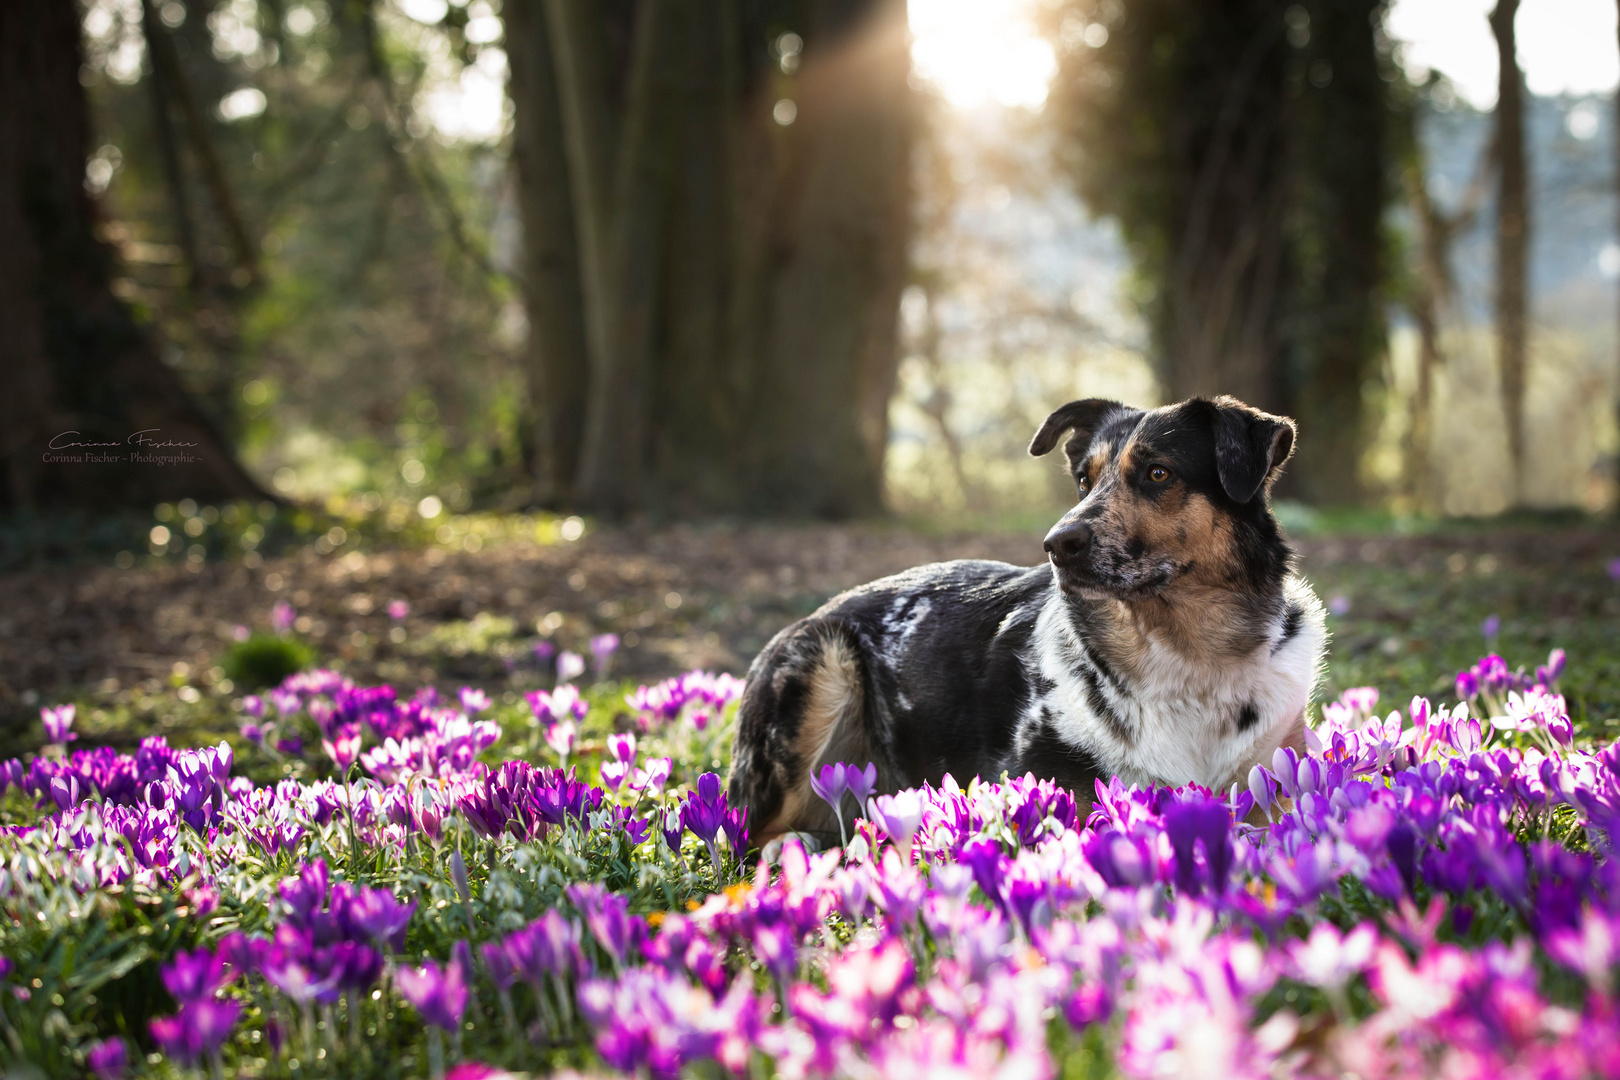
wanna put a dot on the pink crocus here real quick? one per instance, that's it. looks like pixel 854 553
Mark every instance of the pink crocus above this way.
pixel 282 616
pixel 344 746
pixel 560 737
pixel 398 609
pixel 57 721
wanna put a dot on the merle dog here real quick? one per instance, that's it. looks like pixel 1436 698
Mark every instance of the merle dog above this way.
pixel 1167 639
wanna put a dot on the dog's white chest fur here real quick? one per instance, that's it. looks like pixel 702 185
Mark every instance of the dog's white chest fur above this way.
pixel 1177 721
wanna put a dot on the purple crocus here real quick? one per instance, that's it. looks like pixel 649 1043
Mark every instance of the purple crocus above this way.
pixel 1193 821
pixel 603 646
pixel 608 916
pixel 830 786
pixel 704 812
pixel 861 782
pixel 439 994
pixel 108 1058
pixel 197 1031
pixel 1491 628
pixel 473 700
pixel 57 721
pixel 282 616
pixel 194 976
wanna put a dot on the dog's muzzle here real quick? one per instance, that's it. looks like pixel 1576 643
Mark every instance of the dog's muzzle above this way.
pixel 1068 545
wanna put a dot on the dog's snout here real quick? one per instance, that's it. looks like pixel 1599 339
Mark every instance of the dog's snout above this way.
pixel 1068 541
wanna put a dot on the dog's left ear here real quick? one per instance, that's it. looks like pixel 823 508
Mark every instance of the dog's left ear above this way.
pixel 1250 447
pixel 1083 416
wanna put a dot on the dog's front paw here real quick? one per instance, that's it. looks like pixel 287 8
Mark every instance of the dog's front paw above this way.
pixel 772 852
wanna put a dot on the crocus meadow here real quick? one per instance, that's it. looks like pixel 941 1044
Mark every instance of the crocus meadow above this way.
pixel 454 886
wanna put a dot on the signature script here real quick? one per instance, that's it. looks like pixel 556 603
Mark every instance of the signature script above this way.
pixel 146 438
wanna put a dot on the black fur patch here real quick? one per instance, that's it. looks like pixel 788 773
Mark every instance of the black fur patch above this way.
pixel 1293 619
pixel 1247 718
pixel 1046 754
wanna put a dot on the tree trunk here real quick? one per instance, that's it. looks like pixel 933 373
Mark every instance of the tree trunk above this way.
pixel 558 361
pixel 696 382
pixel 1337 333
pixel 1512 237
pixel 1218 312
pixel 828 368
pixel 75 357
pixel 739 279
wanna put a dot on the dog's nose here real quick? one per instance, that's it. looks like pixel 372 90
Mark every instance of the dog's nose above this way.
pixel 1068 540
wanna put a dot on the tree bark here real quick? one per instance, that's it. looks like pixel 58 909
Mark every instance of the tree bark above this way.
pixel 828 369
pixel 1338 328
pixel 558 360
pixel 1512 237
pixel 739 279
pixel 74 354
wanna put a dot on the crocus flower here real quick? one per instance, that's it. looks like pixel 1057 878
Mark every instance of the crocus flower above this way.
pixel 108 1058
pixel 343 747
pixel 197 1031
pixel 194 976
pixel 570 666
pixel 398 609
pixel 282 616
pixel 899 815
pixel 57 721
pixel 439 994
pixel 830 786
pixel 473 700
pixel 1491 628
pixel 861 782
pixel 603 646
pixel 653 777
pixel 560 737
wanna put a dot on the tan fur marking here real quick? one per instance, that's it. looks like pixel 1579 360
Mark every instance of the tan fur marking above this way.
pixel 834 703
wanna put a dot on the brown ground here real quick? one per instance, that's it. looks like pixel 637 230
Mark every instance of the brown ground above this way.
pixel 680 596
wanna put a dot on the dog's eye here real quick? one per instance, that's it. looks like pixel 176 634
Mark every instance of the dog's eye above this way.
pixel 1085 484
pixel 1158 474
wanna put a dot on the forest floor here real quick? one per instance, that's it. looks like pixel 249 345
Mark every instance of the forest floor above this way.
pixel 141 648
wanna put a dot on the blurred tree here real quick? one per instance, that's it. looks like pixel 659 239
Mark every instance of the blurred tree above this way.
pixel 323 260
pixel 715 284
pixel 1512 234
pixel 78 358
pixel 1428 288
pixel 1242 148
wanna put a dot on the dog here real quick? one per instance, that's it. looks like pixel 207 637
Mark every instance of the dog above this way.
pixel 1166 640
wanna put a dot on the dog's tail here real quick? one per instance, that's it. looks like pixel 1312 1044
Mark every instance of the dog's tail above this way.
pixel 806 705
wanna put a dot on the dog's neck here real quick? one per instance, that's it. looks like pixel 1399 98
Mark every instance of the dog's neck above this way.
pixel 1206 626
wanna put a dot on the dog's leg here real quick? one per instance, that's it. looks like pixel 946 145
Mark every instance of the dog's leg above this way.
pixel 804 707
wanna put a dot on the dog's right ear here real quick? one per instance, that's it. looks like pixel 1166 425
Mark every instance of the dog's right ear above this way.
pixel 1085 417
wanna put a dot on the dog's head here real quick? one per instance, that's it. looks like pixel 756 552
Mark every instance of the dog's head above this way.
pixel 1170 498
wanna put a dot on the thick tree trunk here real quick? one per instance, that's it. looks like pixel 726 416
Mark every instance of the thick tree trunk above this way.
pixel 558 361
pixel 1218 314
pixel 828 369
pixel 75 358
pixel 1512 237
pixel 739 280
pixel 1339 333
pixel 696 383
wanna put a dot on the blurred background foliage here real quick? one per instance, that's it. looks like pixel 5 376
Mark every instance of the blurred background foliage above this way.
pixel 424 257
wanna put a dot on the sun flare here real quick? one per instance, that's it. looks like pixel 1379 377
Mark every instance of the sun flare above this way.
pixel 978 52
